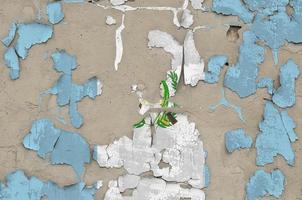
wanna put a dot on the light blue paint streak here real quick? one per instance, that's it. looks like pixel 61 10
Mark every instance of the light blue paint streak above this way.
pixel 237 139
pixel 54 12
pixel 63 146
pixel 262 183
pixel 215 65
pixel 224 102
pixel 241 77
pixel 233 7
pixel 285 96
pixel 31 34
pixel 207 176
pixel 19 187
pixel 69 93
pixel 12 62
pixel 271 6
pixel 266 82
pixel 275 137
pixel 11 35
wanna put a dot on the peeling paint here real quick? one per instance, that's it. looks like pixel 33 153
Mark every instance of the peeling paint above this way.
pixel 197 4
pixel 233 7
pixel 110 20
pixel 193 63
pixel 31 34
pixel 69 93
pixel 62 145
pixel 163 40
pixel 215 65
pixel 54 12
pixel 266 82
pixel 11 35
pixel 275 137
pixel 155 189
pixel 186 19
pixel 285 95
pixel 20 187
pixel 12 62
pixel 262 184
pixel 119 44
pixel 237 139
pixel 224 102
pixel 241 77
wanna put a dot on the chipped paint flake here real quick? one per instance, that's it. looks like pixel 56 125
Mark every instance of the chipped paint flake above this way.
pixel 110 20
pixel 237 139
pixel 119 44
pixel 54 12
pixel 275 137
pixel 12 62
pixel 285 95
pixel 11 35
pixel 117 2
pixel 224 102
pixel 63 146
pixel 215 65
pixel 262 184
pixel 193 63
pixel 69 93
pixel 31 34
pixel 241 77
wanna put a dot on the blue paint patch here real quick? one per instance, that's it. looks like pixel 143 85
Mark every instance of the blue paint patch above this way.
pixel 224 102
pixel 237 139
pixel 31 34
pixel 11 35
pixel 275 137
pixel 241 77
pixel 73 192
pixel 54 12
pixel 269 6
pixel 266 82
pixel 63 146
pixel 69 93
pixel 262 183
pixel 285 96
pixel 19 187
pixel 215 65
pixel 12 62
pixel 233 7
pixel 207 176
pixel 95 153
pixel 71 149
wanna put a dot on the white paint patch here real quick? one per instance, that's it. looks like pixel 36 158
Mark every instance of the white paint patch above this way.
pixel 110 20
pixel 117 2
pixel 197 4
pixel 154 189
pixel 99 87
pixel 160 39
pixel 186 19
pixel 194 65
pixel 119 44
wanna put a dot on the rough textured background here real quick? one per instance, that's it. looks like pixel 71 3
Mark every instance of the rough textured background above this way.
pixel 84 34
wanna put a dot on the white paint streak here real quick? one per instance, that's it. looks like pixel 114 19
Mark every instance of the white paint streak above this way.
pixel 119 44
pixel 186 19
